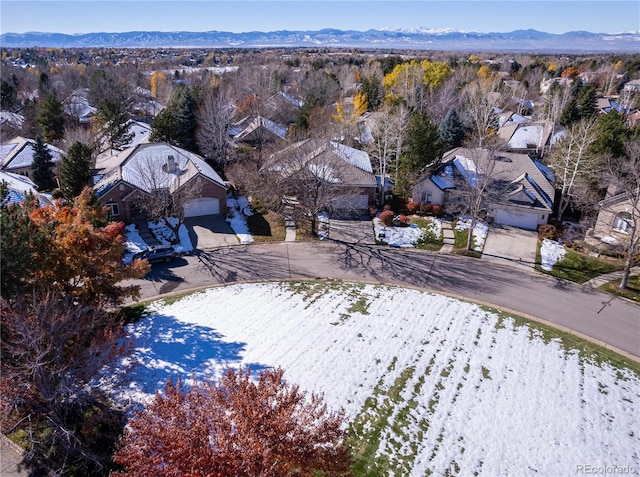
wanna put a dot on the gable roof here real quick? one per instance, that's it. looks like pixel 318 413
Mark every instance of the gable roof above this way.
pixel 525 182
pixel 328 159
pixel 20 187
pixel 18 153
pixel 252 130
pixel 148 166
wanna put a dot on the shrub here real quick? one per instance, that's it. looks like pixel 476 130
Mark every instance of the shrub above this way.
pixel 386 217
pixel 547 231
pixel 426 209
pixel 403 220
pixel 437 209
pixel 413 207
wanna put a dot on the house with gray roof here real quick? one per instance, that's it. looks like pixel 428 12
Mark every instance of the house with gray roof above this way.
pixel 526 193
pixel 16 155
pixel 148 167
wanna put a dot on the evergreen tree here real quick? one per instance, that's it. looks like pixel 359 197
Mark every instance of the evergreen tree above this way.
pixel 8 96
pixel 586 101
pixel 611 133
pixel 422 153
pixel 451 130
pixel 51 119
pixel 75 171
pixel 186 122
pixel 570 113
pixel 163 128
pixel 372 90
pixel 30 125
pixel 113 118
pixel 42 166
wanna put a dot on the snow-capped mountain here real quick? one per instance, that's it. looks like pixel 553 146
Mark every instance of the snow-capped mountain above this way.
pixel 421 38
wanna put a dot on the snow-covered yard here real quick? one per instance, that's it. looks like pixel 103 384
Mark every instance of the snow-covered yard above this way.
pixel 455 388
pixel 239 209
pixel 480 231
pixel 550 253
pixel 405 236
pixel 134 243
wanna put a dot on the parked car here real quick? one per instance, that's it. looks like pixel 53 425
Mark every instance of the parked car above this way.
pixel 161 253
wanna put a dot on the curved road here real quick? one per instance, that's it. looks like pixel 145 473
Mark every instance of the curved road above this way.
pixel 601 317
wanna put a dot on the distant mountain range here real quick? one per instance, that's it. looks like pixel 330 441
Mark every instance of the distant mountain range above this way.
pixel 422 38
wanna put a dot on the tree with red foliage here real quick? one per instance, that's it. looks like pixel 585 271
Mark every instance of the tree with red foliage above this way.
pixel 235 427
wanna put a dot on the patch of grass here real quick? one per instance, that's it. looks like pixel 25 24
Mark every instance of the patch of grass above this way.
pixel 267 227
pixel 580 268
pixel 460 238
pixel 429 240
pixel 632 292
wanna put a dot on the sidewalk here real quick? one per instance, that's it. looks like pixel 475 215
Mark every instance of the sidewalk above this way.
pixel 602 279
pixel 449 238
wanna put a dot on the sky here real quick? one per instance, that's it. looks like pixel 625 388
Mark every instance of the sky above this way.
pixel 85 16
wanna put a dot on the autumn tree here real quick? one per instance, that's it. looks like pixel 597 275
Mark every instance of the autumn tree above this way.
pixel 75 250
pixel 51 118
pixel 75 170
pixel 52 347
pixel 42 166
pixel 235 427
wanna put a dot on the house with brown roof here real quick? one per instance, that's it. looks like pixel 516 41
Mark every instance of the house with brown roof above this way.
pixel 526 190
pixel 149 167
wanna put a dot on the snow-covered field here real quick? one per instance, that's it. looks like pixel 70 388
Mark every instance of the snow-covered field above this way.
pixel 454 388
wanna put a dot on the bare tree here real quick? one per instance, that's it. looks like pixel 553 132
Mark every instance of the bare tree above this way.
pixel 212 133
pixel 52 347
pixel 165 188
pixel 479 100
pixel 573 164
pixel 624 174
pixel 476 184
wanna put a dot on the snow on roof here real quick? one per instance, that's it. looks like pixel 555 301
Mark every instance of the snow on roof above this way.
pixel 467 168
pixel 12 119
pixel 20 187
pixel 444 180
pixel 18 154
pixel 526 136
pixel 355 157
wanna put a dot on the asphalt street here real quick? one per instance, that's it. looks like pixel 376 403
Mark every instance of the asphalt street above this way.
pixel 601 317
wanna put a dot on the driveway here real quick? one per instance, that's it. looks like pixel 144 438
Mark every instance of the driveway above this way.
pixel 352 231
pixel 210 231
pixel 511 246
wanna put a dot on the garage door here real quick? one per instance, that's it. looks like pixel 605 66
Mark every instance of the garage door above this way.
pixel 520 220
pixel 202 206
pixel 355 202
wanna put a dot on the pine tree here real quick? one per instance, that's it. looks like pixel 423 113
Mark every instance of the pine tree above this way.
pixel 75 171
pixel 42 166
pixel 113 118
pixel 51 119
pixel 186 122
pixel 451 130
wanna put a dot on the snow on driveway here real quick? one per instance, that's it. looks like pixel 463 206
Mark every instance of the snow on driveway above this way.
pixel 477 393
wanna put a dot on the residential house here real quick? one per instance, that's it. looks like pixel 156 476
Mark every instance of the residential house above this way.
pixel 617 216
pixel 77 106
pixel 16 155
pixel 529 137
pixel 146 167
pixel 19 188
pixel 330 161
pixel 258 131
pixel 526 190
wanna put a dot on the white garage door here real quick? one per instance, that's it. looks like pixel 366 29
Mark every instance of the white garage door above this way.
pixel 355 202
pixel 520 220
pixel 202 206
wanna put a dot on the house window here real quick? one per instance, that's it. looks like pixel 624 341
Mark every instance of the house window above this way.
pixel 622 222
pixel 114 210
pixel 426 197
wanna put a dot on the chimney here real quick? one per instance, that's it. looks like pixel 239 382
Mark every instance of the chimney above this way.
pixel 171 164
